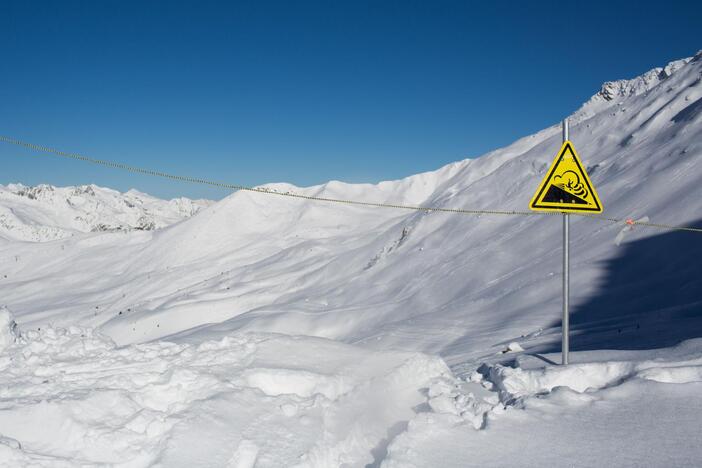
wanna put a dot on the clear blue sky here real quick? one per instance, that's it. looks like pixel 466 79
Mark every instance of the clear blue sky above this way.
pixel 304 92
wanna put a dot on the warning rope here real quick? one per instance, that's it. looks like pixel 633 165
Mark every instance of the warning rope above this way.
pixel 225 185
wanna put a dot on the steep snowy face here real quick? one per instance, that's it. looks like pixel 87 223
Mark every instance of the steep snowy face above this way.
pixel 615 92
pixel 45 212
pixel 621 89
pixel 457 285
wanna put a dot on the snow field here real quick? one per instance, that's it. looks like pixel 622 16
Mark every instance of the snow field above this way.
pixel 70 397
pixel 607 409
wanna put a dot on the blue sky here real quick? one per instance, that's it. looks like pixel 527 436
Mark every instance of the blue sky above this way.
pixel 304 92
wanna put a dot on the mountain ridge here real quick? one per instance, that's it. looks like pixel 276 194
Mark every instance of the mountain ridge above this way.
pixel 44 212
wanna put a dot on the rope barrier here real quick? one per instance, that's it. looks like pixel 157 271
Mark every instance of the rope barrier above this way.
pixel 195 180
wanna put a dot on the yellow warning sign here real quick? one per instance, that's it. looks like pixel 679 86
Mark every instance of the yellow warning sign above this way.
pixel 566 187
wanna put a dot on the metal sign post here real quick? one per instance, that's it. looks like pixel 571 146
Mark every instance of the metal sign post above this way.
pixel 565 331
pixel 566 188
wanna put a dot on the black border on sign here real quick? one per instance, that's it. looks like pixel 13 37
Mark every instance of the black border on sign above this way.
pixel 547 183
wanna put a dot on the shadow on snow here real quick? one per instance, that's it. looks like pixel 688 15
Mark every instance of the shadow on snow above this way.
pixel 650 297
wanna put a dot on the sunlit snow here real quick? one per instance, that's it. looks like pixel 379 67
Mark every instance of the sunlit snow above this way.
pixel 275 332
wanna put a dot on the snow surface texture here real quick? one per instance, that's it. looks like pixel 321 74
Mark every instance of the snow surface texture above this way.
pixel 267 331
pixel 44 213
pixel 629 409
pixel 69 396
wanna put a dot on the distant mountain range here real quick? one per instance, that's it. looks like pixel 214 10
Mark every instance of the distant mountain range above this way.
pixel 45 213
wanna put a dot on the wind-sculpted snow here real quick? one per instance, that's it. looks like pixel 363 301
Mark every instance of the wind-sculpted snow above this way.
pixel 45 213
pixel 69 397
pixel 606 409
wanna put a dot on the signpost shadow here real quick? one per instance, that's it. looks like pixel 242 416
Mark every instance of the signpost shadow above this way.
pixel 649 297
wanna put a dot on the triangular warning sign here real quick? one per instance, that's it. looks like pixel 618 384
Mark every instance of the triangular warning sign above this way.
pixel 566 187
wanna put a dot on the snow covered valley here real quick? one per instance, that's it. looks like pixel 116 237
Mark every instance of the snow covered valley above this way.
pixel 263 331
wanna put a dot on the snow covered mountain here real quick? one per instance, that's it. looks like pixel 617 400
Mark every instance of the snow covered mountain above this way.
pixel 45 213
pixel 415 280
pixel 313 316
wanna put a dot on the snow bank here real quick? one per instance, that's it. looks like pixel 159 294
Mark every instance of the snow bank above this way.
pixel 516 383
pixel 239 401
pixel 598 412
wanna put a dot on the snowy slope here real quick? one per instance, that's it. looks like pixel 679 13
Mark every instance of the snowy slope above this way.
pixel 387 282
pixel 45 213
pixel 281 401
pixel 421 281
pixel 71 398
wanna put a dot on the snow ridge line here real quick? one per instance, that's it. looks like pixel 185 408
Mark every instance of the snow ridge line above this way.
pixel 225 185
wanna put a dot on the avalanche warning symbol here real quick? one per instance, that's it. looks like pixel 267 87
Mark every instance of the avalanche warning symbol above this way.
pixel 566 187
